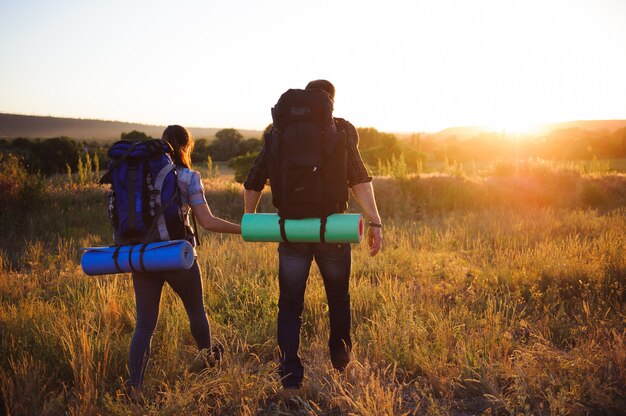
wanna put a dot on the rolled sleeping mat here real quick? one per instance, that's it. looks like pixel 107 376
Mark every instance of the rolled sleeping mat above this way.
pixel 152 257
pixel 340 228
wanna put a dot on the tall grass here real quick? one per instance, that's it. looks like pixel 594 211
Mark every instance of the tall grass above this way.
pixel 213 170
pixel 486 299
pixel 87 171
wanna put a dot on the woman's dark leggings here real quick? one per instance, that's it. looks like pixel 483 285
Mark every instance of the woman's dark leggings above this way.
pixel 188 286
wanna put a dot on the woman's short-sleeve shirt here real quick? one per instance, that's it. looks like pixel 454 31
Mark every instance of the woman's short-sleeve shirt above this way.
pixel 190 185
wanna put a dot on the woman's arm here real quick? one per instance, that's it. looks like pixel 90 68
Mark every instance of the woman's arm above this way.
pixel 212 223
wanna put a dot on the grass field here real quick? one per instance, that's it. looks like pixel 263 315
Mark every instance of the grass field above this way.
pixel 500 294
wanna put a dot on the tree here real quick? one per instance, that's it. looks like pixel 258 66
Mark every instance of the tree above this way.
pixel 55 154
pixel 227 144
pixel 370 137
pixel 251 146
pixel 135 135
pixel 200 151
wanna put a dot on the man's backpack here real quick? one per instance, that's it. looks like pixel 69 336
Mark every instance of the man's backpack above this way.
pixel 144 203
pixel 307 156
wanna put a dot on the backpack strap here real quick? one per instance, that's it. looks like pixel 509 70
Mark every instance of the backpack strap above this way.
pixel 155 224
pixel 158 185
pixel 283 234
pixel 132 190
pixel 195 228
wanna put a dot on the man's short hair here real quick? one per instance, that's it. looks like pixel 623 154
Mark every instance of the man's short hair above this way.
pixel 322 84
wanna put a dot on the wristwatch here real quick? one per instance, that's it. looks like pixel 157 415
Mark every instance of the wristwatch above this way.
pixel 374 224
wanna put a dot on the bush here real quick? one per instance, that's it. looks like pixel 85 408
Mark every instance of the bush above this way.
pixel 21 194
pixel 17 187
pixel 242 165
pixel 47 156
pixel 12 177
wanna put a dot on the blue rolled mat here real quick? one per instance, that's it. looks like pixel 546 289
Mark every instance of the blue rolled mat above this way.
pixel 159 256
pixel 340 228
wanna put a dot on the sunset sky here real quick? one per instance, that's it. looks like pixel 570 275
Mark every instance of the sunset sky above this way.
pixel 398 65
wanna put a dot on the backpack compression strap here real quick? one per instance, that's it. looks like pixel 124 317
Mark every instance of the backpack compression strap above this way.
pixel 323 221
pixel 283 234
pixel 116 253
pixel 323 229
pixel 141 251
pixel 142 266
pixel 130 259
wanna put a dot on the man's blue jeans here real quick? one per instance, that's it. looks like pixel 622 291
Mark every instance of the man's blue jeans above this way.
pixel 333 261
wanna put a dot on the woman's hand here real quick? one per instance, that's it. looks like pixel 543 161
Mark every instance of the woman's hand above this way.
pixel 210 222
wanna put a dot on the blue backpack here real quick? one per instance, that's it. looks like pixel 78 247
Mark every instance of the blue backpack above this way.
pixel 144 203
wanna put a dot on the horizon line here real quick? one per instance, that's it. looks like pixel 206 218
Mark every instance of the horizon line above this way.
pixel 480 126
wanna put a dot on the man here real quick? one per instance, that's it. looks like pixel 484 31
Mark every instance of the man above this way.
pixel 333 260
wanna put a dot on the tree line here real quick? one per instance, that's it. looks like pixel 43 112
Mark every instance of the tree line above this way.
pixel 60 154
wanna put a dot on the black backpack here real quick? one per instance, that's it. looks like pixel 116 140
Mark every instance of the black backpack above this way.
pixel 307 157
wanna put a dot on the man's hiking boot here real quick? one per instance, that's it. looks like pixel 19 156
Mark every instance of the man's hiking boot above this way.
pixel 340 360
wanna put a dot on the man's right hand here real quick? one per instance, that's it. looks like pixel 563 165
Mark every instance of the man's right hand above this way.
pixel 375 240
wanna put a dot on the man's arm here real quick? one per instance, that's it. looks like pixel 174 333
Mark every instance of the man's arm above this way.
pixel 360 181
pixel 364 194
pixel 251 200
pixel 255 181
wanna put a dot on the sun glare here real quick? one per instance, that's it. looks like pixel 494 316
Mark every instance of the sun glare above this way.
pixel 513 122
pixel 514 127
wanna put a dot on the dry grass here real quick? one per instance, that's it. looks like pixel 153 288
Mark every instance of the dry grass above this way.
pixel 476 305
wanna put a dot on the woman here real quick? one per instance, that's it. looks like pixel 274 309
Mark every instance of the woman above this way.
pixel 186 283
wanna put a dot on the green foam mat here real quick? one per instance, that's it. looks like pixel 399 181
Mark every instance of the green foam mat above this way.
pixel 340 228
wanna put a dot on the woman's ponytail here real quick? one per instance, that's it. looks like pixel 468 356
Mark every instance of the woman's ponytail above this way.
pixel 182 142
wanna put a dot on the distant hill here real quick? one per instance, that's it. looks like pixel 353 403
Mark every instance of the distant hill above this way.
pixel 460 132
pixel 608 125
pixel 465 132
pixel 13 125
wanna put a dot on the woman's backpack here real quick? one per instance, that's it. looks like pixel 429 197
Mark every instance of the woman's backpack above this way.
pixel 144 202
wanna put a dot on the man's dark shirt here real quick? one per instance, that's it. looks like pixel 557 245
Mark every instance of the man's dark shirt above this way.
pixel 357 172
